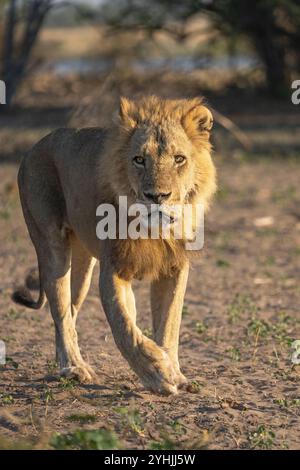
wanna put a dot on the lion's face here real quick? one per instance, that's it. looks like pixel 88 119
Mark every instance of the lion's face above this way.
pixel 161 167
pixel 168 151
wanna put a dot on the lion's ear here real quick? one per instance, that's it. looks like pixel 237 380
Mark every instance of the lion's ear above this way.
pixel 127 113
pixel 196 118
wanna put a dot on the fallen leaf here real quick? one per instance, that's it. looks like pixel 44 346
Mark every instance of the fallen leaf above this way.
pixel 264 221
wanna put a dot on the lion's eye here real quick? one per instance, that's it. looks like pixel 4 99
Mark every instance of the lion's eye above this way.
pixel 140 161
pixel 180 159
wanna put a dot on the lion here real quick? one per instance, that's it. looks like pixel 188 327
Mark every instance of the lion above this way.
pixel 156 151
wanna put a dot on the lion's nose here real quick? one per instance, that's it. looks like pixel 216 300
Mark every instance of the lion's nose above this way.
pixel 157 198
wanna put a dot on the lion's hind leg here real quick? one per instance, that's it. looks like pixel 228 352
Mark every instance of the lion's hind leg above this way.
pixel 44 210
pixel 57 283
pixel 54 256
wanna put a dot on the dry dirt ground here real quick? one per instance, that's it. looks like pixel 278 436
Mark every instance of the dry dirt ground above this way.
pixel 240 317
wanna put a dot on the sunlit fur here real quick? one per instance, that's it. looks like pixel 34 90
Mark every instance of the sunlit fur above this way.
pixel 65 177
pixel 159 129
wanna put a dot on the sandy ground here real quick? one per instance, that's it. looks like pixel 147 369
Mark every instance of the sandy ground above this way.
pixel 241 314
pixel 242 309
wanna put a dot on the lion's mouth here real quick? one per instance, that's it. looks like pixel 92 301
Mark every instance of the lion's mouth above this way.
pixel 160 214
pixel 163 217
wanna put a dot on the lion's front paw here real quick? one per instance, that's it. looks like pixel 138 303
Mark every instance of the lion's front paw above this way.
pixel 180 379
pixel 159 382
pixel 156 370
pixel 83 373
pixel 163 388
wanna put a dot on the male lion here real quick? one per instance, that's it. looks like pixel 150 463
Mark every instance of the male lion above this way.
pixel 159 152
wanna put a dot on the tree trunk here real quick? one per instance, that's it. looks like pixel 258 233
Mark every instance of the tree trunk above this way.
pixel 273 55
pixel 8 49
pixel 16 56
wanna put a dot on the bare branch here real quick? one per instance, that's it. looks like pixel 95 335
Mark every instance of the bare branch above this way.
pixel 231 127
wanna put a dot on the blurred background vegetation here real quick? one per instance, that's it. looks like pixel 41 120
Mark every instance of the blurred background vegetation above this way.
pixel 78 56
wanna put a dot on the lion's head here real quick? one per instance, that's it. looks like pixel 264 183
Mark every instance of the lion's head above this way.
pixel 161 155
pixel 165 157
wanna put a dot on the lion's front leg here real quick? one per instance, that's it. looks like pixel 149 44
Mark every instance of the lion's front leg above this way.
pixel 150 362
pixel 167 296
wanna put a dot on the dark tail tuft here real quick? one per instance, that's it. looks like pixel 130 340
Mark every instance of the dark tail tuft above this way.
pixel 23 296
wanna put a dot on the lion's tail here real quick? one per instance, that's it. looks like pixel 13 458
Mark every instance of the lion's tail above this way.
pixel 23 295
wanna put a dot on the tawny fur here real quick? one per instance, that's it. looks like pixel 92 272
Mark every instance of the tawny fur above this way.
pixel 62 181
